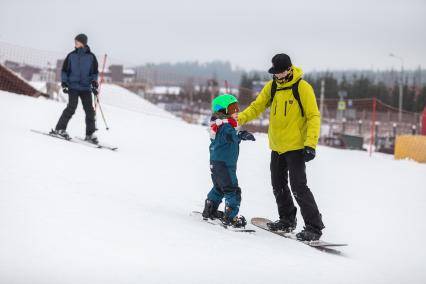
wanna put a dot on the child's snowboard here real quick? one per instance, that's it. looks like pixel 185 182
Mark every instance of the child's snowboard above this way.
pixel 218 222
pixel 321 245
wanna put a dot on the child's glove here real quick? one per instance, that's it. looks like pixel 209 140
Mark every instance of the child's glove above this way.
pixel 245 135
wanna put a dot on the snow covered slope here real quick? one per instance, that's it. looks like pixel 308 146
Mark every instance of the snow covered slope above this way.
pixel 74 214
pixel 117 96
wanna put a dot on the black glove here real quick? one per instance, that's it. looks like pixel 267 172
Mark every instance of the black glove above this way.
pixel 245 135
pixel 64 87
pixel 95 86
pixel 308 153
pixel 95 91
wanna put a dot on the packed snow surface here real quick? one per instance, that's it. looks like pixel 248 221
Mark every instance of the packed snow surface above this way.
pixel 74 214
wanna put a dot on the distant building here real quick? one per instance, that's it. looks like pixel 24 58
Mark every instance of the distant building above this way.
pixel 26 71
pixel 165 90
pixel 118 74
pixel 59 64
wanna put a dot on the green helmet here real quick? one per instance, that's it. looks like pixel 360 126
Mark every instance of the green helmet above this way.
pixel 223 101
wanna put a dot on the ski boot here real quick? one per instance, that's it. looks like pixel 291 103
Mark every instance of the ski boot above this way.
pixel 309 233
pixel 210 211
pixel 282 225
pixel 92 138
pixel 60 132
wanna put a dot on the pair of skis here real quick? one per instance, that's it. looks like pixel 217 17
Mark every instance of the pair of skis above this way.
pixel 262 223
pixel 78 140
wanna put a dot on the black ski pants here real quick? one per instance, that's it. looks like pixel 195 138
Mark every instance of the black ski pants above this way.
pixel 86 100
pixel 292 164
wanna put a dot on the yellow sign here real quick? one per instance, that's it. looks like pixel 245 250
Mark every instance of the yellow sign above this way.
pixel 341 105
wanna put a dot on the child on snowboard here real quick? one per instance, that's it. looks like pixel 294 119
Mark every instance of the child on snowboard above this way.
pixel 224 150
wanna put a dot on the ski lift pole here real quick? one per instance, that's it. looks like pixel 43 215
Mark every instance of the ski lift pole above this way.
pixel 101 81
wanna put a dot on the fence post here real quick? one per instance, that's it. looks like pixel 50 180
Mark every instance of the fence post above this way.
pixel 376 136
pixel 394 126
pixel 413 129
pixel 373 122
pixel 343 125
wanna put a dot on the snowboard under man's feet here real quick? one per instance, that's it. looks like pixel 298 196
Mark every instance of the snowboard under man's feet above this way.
pixel 283 225
pixel 60 132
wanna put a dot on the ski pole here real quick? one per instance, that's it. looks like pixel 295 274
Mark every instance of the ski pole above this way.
pixel 102 113
pixel 97 102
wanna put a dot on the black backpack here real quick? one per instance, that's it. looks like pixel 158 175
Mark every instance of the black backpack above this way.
pixel 294 88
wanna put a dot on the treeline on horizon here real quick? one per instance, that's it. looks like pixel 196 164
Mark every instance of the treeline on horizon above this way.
pixel 356 87
pixel 359 84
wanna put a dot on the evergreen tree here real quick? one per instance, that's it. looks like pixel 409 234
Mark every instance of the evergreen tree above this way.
pixel 245 96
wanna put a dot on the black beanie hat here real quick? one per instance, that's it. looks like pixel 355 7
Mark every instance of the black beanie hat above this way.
pixel 81 38
pixel 280 63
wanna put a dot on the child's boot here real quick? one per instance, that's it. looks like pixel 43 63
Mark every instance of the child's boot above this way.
pixel 210 210
pixel 236 222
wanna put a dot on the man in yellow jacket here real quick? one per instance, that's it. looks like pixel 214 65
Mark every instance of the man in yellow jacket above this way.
pixel 294 126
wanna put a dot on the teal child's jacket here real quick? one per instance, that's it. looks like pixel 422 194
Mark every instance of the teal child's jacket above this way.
pixel 226 145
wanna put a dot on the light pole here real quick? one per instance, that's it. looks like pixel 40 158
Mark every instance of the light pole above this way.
pixel 322 107
pixel 400 84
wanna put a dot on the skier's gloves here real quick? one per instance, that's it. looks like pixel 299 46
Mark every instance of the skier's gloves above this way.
pixel 95 86
pixel 64 87
pixel 245 135
pixel 95 91
pixel 308 153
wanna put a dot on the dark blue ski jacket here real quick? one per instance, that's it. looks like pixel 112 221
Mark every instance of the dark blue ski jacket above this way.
pixel 80 68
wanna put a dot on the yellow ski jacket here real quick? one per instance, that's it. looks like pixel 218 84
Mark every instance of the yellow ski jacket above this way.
pixel 288 130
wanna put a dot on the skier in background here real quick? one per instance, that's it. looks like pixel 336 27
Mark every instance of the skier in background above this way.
pixel 294 126
pixel 224 150
pixel 79 78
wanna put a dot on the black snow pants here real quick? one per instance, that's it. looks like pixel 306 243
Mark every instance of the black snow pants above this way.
pixel 292 164
pixel 86 100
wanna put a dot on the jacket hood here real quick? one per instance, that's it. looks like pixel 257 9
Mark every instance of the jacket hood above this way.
pixel 85 49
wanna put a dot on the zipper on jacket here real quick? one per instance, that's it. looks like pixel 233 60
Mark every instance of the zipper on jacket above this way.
pixel 79 67
pixel 275 109
pixel 285 109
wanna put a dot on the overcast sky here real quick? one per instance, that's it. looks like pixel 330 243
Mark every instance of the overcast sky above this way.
pixel 317 34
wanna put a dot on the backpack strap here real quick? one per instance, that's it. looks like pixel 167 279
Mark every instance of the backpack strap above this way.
pixel 273 91
pixel 295 90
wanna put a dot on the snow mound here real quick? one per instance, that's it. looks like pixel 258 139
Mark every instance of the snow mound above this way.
pixel 117 96
pixel 74 214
